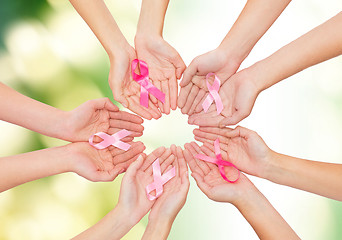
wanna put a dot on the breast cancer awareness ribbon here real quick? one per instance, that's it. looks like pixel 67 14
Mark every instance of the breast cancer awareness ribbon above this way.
pixel 158 180
pixel 109 140
pixel 219 161
pixel 213 94
pixel 145 85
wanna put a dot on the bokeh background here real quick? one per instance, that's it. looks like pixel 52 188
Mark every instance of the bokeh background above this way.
pixel 48 53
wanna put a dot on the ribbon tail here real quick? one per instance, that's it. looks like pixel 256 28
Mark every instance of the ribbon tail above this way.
pixel 207 102
pixel 143 97
pixel 157 93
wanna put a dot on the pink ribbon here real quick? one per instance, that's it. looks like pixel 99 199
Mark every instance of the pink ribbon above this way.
pixel 219 161
pixel 159 180
pixel 213 94
pixel 145 85
pixel 109 140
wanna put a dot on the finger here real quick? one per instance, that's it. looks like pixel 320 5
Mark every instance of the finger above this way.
pixel 166 90
pixel 153 98
pixel 209 152
pixel 138 109
pixel 135 149
pixel 119 96
pixel 173 86
pixel 199 106
pixel 202 114
pixel 133 168
pixel 183 95
pixel 223 147
pixel 239 132
pixel 121 124
pixel 192 95
pixel 152 157
pixel 179 64
pixel 129 139
pixel 205 169
pixel 208 121
pixel 162 158
pixel 216 130
pixel 189 73
pixel 202 140
pixel 196 101
pixel 209 136
pixel 152 109
pixel 159 103
pixel 125 116
pixel 166 163
pixel 189 158
pixel 181 161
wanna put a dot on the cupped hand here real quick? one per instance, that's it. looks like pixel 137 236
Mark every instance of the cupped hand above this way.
pixel 238 95
pixel 193 85
pixel 210 181
pixel 243 147
pixel 102 165
pixel 175 192
pixel 100 115
pixel 133 198
pixel 125 89
pixel 165 67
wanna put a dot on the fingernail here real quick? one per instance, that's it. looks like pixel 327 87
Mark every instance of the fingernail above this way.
pixel 125 105
pixel 121 171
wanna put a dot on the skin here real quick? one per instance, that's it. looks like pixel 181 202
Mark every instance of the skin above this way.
pixel 247 150
pixel 165 64
pixel 242 194
pixel 133 203
pixel 88 162
pixel 239 93
pixel 255 19
pixel 98 115
pixel 121 54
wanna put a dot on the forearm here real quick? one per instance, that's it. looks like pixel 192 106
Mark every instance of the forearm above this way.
pixel 96 14
pixel 151 19
pixel 317 177
pixel 31 114
pixel 263 217
pixel 158 230
pixel 112 226
pixel 318 45
pixel 255 19
pixel 19 169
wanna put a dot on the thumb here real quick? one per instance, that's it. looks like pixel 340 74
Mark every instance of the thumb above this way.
pixel 179 64
pixel 189 73
pixel 133 168
pixel 234 119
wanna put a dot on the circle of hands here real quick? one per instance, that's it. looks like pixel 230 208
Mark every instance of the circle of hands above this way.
pixel 242 147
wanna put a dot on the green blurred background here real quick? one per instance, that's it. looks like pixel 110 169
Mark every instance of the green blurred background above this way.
pixel 48 53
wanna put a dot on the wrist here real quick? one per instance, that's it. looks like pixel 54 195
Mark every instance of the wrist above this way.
pixel 158 229
pixel 119 50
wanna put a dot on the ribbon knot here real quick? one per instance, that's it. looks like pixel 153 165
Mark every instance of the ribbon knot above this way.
pixel 158 180
pixel 146 86
pixel 213 94
pixel 220 162
pixel 108 140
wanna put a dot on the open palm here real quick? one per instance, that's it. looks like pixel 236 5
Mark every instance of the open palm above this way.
pixel 125 89
pixel 165 67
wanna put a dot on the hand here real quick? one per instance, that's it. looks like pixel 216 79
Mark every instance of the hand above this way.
pixel 125 89
pixel 193 86
pixel 165 67
pixel 100 115
pixel 210 181
pixel 133 198
pixel 241 146
pixel 238 95
pixel 175 192
pixel 102 165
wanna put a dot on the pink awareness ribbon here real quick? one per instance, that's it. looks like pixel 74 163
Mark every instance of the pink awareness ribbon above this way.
pixel 213 94
pixel 109 140
pixel 219 161
pixel 158 180
pixel 145 85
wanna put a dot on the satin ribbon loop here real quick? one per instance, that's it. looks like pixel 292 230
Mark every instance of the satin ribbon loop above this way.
pixel 158 180
pixel 111 140
pixel 213 94
pixel 146 86
pixel 220 162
